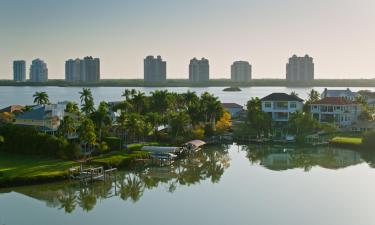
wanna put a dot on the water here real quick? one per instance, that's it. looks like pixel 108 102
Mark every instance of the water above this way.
pixel 23 95
pixel 220 185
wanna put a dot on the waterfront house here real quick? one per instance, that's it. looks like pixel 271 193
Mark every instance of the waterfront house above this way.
pixel 339 111
pixel 233 108
pixel 345 93
pixel 45 117
pixel 281 105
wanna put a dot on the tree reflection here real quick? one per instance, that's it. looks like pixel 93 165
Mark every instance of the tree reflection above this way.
pixel 281 158
pixel 208 164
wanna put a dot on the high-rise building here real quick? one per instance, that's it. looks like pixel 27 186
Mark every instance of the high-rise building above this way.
pixel 38 71
pixel 19 70
pixel 155 69
pixel 300 68
pixel 91 69
pixel 241 71
pixel 82 70
pixel 199 70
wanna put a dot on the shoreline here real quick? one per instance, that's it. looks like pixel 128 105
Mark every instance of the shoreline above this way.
pixel 211 83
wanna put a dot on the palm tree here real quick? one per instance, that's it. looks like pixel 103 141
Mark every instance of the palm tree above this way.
pixel 87 133
pixel 154 119
pixel 87 101
pixel 72 107
pixel 212 108
pixel 139 102
pixel 41 98
pixel 159 101
pixel 101 118
pixel 85 95
pixel 67 127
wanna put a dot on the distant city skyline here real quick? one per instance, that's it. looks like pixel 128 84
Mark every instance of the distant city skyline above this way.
pixel 122 32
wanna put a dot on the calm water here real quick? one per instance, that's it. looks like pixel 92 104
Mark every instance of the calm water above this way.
pixel 220 185
pixel 23 95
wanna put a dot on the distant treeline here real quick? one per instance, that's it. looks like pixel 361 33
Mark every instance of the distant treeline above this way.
pixel 211 83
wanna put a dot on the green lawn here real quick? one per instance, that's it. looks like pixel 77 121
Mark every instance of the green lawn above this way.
pixel 118 158
pixel 18 169
pixel 355 141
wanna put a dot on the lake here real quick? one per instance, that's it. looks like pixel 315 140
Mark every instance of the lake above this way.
pixel 23 95
pixel 220 185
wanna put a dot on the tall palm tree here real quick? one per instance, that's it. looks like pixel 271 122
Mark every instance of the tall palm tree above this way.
pixel 139 102
pixel 87 101
pixel 160 101
pixel 101 118
pixel 41 98
pixel 212 108
pixel 85 95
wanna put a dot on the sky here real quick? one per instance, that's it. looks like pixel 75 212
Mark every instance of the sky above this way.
pixel 338 34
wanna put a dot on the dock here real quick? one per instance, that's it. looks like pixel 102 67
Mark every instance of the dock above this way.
pixel 91 174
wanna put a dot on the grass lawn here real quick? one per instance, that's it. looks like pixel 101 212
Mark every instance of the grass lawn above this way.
pixel 354 141
pixel 118 158
pixel 18 169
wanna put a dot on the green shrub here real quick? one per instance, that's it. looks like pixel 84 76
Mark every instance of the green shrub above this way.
pixel 114 143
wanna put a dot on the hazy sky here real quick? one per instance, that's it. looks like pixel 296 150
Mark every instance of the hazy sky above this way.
pixel 339 34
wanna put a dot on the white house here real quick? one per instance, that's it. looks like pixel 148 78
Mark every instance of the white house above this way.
pixel 338 111
pixel 346 93
pixel 281 105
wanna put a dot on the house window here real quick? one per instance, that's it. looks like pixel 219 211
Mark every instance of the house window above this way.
pixel 267 105
pixel 293 105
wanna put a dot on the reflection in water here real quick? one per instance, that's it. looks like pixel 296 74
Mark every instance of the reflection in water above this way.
pixel 208 164
pixel 280 158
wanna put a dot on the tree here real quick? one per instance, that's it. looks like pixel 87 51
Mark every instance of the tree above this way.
pixel 87 133
pixel 258 123
pixel 87 101
pixel 154 119
pixel 41 98
pixel 302 124
pixel 212 108
pixel 160 102
pixel 224 124
pixel 1 139
pixel 179 122
pixel 139 102
pixel 293 93
pixel 313 96
pixel 101 118
pixel 72 107
pixel 67 127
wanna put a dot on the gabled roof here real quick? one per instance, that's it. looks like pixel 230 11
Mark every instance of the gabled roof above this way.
pixel 334 101
pixel 231 105
pixel 281 97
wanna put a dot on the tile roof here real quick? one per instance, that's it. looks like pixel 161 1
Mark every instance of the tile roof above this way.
pixel 281 97
pixel 334 101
